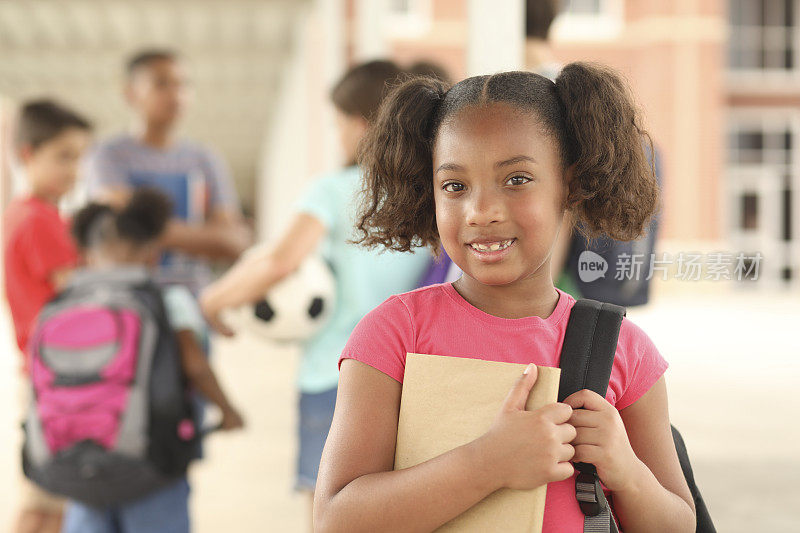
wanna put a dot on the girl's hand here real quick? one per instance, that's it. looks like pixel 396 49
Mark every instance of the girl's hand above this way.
pixel 231 419
pixel 602 440
pixel 212 312
pixel 527 449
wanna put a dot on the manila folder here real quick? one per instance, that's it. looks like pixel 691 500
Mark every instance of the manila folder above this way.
pixel 449 401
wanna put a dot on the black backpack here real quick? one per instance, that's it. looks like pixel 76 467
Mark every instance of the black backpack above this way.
pixel 587 356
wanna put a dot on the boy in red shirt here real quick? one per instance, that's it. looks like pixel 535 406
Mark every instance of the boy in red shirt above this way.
pixel 38 252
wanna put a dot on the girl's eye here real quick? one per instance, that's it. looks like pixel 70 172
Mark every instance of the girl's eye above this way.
pixel 453 187
pixel 519 179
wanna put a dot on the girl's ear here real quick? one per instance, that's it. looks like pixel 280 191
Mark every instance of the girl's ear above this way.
pixel 25 153
pixel 363 125
pixel 129 93
pixel 152 252
pixel 90 257
pixel 571 188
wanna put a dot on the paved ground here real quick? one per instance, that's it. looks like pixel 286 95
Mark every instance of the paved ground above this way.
pixel 735 364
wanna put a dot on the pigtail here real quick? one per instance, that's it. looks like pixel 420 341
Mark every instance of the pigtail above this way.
pixel 396 160
pixel 144 217
pixel 86 223
pixel 613 191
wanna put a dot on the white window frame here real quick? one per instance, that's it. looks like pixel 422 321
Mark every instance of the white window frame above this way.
pixel 603 26
pixel 414 23
pixel 769 74
pixel 762 178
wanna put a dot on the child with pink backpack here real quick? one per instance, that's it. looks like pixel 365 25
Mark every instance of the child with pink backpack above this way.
pixel 112 359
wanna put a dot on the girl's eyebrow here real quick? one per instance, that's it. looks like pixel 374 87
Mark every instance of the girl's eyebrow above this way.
pixel 514 160
pixel 449 166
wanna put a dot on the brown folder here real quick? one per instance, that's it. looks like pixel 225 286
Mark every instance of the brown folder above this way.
pixel 450 401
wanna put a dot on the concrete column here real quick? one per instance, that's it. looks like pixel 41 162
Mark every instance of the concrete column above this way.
pixel 301 141
pixel 370 40
pixel 496 39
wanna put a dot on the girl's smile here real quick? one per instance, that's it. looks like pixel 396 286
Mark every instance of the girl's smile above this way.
pixel 499 190
pixel 491 250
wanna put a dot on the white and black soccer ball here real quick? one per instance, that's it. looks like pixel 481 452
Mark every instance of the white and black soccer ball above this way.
pixel 294 309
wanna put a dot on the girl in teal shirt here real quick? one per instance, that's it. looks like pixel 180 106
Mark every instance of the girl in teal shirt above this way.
pixel 324 222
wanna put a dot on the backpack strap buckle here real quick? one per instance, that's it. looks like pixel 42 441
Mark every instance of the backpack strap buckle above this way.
pixel 589 493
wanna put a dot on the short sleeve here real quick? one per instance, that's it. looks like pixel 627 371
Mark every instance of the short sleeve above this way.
pixel 321 200
pixel 638 365
pixel 102 171
pixel 47 247
pixel 182 310
pixel 383 338
pixel 222 194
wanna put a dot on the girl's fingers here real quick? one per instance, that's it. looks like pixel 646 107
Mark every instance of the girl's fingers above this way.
pixel 563 471
pixel 586 399
pixel 566 432
pixel 518 395
pixel 587 453
pixel 219 326
pixel 566 453
pixel 585 435
pixel 585 418
pixel 557 413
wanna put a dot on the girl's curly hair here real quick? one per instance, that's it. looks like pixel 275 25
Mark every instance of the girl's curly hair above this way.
pixel 142 220
pixel 588 109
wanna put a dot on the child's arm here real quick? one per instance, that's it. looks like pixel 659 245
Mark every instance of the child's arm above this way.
pixel 223 236
pixel 358 491
pixel 635 458
pixel 60 278
pixel 250 278
pixel 202 377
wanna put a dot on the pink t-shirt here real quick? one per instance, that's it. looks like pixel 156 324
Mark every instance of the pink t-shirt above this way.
pixel 437 320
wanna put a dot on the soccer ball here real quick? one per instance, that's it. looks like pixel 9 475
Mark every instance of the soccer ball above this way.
pixel 294 309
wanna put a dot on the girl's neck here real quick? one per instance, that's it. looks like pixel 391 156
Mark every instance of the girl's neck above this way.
pixel 534 296
pixel 121 256
pixel 113 264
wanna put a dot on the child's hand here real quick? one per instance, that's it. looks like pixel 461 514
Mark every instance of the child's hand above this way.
pixel 231 419
pixel 212 314
pixel 601 439
pixel 527 449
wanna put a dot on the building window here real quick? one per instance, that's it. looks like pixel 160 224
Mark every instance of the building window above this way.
pixel 582 7
pixel 763 35
pixel 763 189
pixel 588 20
pixel 407 19
pixel 749 211
pixel 400 6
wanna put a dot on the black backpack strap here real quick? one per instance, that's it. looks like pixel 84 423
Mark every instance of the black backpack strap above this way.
pixel 587 356
pixel 590 342
pixel 704 522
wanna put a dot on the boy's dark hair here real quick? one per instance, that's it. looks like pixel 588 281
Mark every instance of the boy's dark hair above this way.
pixel 142 220
pixel 41 121
pixel 539 16
pixel 588 110
pixel 144 58
pixel 362 88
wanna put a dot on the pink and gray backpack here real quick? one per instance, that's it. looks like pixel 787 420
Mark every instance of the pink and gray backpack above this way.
pixel 111 416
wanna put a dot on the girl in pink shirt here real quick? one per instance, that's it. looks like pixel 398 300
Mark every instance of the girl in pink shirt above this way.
pixel 492 170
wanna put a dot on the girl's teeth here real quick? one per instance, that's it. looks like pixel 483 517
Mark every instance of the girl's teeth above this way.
pixel 495 246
